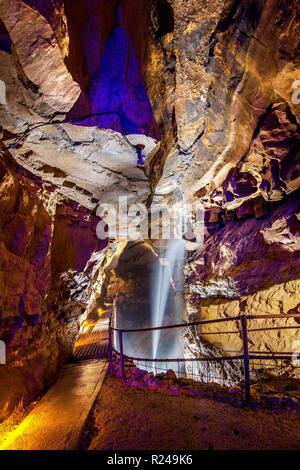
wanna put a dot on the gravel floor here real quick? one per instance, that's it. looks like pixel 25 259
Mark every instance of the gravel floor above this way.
pixel 129 419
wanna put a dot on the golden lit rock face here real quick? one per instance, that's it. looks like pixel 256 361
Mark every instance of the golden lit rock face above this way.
pixel 255 56
pixel 236 148
pixel 278 299
pixel 232 72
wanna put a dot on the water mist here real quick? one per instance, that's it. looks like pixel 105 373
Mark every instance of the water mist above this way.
pixel 167 301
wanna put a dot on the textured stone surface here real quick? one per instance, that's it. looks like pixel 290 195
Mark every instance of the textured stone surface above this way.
pixel 39 57
pixel 84 162
pixel 235 148
pixel 44 248
pixel 218 76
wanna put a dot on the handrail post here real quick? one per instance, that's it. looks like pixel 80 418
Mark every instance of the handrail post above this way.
pixel 121 354
pixel 246 358
pixel 110 345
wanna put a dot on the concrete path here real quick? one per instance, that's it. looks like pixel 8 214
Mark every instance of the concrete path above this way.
pixel 57 421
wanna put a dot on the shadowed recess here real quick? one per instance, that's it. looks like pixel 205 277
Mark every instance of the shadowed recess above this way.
pixel 5 41
pixel 44 7
pixel 165 17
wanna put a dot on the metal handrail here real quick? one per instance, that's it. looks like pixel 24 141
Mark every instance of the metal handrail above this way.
pixel 206 322
pixel 246 356
pixel 187 359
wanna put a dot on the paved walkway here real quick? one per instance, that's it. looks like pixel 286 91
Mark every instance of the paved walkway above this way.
pixel 57 421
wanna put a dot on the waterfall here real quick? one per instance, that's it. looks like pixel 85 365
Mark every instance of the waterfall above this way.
pixel 167 299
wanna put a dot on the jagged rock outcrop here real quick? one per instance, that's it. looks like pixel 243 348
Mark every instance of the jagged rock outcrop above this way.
pixel 250 266
pixel 129 280
pixel 84 162
pixel 236 150
pixel 44 247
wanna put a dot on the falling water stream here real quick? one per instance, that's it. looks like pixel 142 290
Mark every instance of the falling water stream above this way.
pixel 167 283
pixel 167 301
pixel 166 306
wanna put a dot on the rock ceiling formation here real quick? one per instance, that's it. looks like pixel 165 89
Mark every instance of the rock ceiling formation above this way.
pixel 207 88
pixel 83 162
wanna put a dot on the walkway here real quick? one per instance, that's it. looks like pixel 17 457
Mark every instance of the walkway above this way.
pixel 56 422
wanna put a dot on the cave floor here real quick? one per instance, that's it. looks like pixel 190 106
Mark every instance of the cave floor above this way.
pixel 56 422
pixel 125 418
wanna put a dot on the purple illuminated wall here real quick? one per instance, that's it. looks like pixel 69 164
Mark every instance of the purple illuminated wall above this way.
pixel 117 88
pixel 116 94
pixel 105 62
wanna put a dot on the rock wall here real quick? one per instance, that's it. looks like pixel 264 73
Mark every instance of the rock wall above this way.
pixel 244 168
pixel 231 141
pixel 45 245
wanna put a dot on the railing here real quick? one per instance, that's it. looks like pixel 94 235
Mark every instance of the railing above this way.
pixel 245 355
